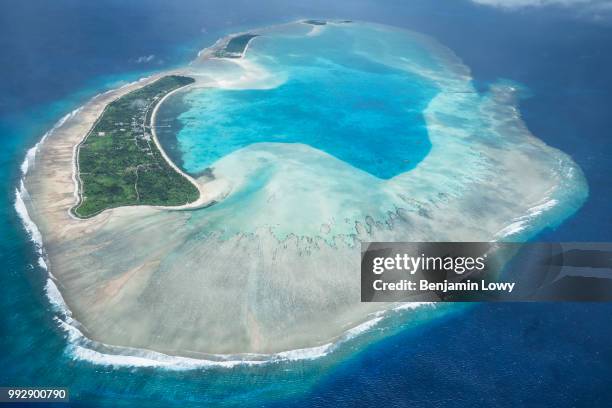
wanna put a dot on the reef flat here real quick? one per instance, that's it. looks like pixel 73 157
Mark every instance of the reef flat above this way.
pixel 274 264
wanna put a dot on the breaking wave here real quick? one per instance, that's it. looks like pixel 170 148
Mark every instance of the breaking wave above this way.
pixel 440 117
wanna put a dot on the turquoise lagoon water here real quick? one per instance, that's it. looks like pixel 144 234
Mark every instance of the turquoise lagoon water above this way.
pixel 228 109
pixel 359 110
pixel 319 128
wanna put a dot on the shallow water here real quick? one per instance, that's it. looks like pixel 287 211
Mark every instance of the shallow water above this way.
pixel 361 111
pixel 477 351
pixel 271 272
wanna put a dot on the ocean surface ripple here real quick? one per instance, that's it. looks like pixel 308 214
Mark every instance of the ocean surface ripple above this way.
pixel 271 272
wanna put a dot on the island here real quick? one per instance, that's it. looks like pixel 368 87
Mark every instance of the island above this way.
pixel 315 22
pixel 119 161
pixel 235 46
pixel 290 153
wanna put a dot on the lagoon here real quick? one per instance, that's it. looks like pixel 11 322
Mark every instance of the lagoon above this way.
pixel 287 217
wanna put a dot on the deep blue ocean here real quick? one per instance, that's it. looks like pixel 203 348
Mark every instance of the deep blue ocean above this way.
pixel 56 55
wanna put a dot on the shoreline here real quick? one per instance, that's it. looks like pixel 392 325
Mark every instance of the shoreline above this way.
pixel 203 198
pixel 85 226
pixel 80 344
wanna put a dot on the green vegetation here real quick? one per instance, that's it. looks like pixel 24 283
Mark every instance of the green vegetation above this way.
pixel 315 22
pixel 235 46
pixel 119 163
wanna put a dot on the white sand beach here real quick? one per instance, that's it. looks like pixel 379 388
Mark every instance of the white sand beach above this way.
pixel 280 270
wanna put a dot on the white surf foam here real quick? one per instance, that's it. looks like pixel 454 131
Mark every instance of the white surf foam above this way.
pixel 22 195
pixel 82 348
pixel 521 224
